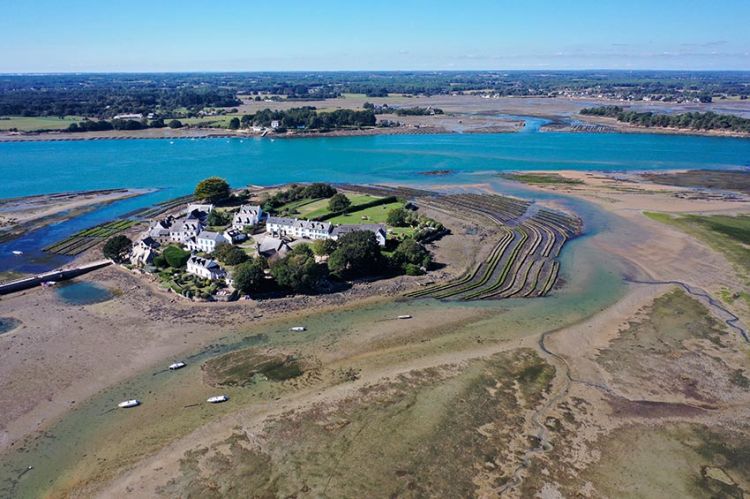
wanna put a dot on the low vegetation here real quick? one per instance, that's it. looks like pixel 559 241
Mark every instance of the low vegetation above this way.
pixel 727 234
pixel 88 238
pixel 541 178
pixel 730 180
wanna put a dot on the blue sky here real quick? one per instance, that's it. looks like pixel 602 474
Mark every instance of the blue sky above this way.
pixel 188 35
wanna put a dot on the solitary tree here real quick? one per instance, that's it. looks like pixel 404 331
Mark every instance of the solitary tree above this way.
pixel 175 124
pixel 212 189
pixel 234 123
pixel 117 248
pixel 339 202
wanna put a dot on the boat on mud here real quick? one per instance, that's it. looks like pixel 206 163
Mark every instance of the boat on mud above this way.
pixel 405 316
pixel 127 404
pixel 298 328
pixel 218 399
pixel 176 365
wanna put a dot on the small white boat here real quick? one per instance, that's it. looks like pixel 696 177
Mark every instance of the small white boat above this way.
pixel 406 316
pixel 17 252
pixel 298 328
pixel 127 404
pixel 177 365
pixel 218 399
pixel 48 284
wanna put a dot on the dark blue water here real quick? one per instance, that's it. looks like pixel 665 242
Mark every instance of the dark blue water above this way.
pixel 175 166
pixel 82 293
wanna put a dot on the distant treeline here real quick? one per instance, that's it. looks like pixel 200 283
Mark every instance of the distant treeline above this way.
pixel 104 125
pixel 691 121
pixel 307 117
pixel 417 111
pixel 176 95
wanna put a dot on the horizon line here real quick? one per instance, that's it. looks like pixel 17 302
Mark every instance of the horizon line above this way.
pixel 242 71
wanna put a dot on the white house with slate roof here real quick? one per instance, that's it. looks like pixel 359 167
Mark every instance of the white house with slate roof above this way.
pixel 298 229
pixel 248 216
pixel 205 268
pixel 184 231
pixel 144 251
pixel 206 241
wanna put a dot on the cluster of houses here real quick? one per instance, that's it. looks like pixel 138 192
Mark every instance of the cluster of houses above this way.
pixel 190 232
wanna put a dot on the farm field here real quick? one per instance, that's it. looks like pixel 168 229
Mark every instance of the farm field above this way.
pixel 32 123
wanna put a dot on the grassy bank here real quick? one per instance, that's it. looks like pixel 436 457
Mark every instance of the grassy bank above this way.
pixel 729 235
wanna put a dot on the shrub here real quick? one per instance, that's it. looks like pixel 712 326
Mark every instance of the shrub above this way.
pixel 175 256
pixel 217 217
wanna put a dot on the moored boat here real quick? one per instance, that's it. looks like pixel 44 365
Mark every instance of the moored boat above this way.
pixel 176 365
pixel 126 404
pixel 17 252
pixel 217 399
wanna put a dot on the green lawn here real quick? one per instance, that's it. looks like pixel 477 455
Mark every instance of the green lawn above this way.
pixel 374 215
pixel 320 208
pixel 31 123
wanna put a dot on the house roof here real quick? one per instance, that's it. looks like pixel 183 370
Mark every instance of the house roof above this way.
pixel 206 263
pixel 213 236
pixel 340 230
pixel 300 224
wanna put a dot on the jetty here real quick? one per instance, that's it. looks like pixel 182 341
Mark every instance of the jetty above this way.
pixel 51 276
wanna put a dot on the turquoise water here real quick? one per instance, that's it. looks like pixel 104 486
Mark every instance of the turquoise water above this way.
pixel 175 166
pixel 82 293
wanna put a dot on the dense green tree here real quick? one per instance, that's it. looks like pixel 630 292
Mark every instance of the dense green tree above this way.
pixel 175 124
pixel 399 217
pixel 213 190
pixel 323 247
pixel 410 252
pixel 319 190
pixel 218 218
pixel 117 248
pixel 230 255
pixel 298 271
pixel 249 276
pixel 234 123
pixel 175 256
pixel 357 254
pixel 339 202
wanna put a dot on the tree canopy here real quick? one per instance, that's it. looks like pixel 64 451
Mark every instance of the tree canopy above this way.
pixel 175 256
pixel 339 202
pixel 230 255
pixel 249 276
pixel 117 248
pixel 357 254
pixel 298 271
pixel 213 190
